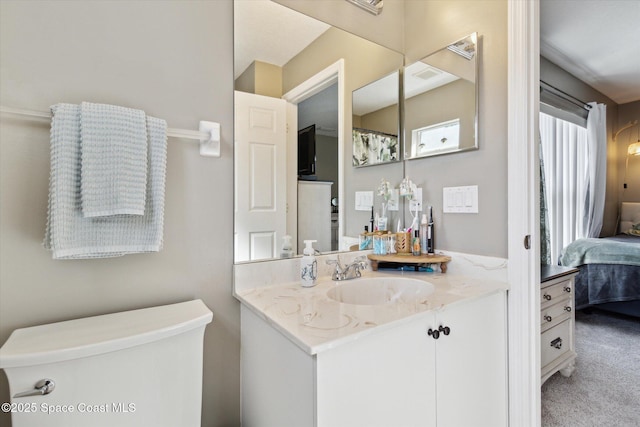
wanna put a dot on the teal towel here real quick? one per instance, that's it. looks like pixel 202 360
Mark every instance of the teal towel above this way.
pixel 599 251
pixel 69 235
pixel 114 160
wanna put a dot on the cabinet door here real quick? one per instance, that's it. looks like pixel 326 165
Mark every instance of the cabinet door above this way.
pixel 382 380
pixel 471 364
pixel 277 377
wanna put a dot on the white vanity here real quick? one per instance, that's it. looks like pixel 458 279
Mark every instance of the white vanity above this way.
pixel 439 359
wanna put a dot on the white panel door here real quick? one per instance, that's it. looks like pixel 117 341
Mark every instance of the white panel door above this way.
pixel 260 175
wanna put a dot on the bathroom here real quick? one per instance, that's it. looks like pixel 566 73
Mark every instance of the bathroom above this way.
pixel 175 59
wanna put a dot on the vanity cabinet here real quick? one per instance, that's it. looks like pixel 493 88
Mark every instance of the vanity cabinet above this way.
pixel 557 321
pixel 396 375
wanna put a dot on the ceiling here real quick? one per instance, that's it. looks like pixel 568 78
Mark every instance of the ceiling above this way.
pixel 598 41
pixel 270 33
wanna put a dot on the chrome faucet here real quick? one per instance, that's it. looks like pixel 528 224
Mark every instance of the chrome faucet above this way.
pixel 350 271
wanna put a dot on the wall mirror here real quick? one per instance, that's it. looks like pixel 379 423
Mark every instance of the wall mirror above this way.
pixel 375 118
pixel 441 101
pixel 278 51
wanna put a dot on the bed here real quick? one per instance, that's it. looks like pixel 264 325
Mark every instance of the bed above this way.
pixel 609 276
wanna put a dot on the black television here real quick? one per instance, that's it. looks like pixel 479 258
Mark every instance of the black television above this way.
pixel 307 153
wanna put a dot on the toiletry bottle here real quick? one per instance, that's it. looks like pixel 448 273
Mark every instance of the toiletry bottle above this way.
pixel 287 249
pixel 308 265
pixel 431 238
pixel 423 235
pixel 415 247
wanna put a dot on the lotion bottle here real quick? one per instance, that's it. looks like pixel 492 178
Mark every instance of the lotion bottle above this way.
pixel 308 265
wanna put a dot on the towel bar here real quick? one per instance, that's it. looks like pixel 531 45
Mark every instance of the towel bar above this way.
pixel 208 133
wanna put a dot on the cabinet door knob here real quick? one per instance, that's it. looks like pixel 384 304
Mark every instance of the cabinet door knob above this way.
pixel 567 289
pixel 444 329
pixel 547 297
pixel 548 318
pixel 567 309
pixel 435 334
pixel 557 343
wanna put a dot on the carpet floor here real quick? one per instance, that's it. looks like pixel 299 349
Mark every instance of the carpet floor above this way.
pixel 604 390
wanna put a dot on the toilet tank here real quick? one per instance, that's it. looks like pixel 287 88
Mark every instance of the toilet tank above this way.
pixel 135 368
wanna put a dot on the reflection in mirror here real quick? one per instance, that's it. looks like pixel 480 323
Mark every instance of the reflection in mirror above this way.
pixel 440 101
pixel 375 122
pixel 279 55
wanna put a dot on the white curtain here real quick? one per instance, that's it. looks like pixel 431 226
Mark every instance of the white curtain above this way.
pixel 565 159
pixel 597 177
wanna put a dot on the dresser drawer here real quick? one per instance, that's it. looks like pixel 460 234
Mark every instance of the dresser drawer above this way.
pixel 552 315
pixel 555 342
pixel 553 294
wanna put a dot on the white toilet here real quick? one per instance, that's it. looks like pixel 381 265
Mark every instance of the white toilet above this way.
pixel 136 368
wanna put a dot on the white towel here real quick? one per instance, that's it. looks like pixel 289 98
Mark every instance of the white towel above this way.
pixel 71 236
pixel 114 160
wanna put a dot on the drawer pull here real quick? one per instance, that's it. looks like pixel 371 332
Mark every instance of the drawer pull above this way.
pixel 567 309
pixel 548 318
pixel 567 289
pixel 547 297
pixel 435 334
pixel 557 343
pixel 445 330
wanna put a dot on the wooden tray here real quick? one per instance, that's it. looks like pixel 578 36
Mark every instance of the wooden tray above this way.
pixel 408 259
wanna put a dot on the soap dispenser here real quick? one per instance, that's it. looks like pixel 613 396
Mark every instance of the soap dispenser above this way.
pixel 308 265
pixel 287 248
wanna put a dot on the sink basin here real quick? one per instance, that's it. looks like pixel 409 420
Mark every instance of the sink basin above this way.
pixel 382 291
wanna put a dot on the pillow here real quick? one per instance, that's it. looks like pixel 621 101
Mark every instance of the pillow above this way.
pixel 634 230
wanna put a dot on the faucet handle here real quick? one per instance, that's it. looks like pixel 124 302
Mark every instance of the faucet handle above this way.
pixel 335 262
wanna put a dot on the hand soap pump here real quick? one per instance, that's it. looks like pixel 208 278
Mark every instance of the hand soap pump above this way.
pixel 308 265
pixel 287 248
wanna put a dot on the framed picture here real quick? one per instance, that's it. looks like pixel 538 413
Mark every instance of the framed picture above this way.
pixel 371 147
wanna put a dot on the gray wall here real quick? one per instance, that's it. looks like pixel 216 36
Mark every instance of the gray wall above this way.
pixel 628 113
pixel 172 59
pixel 429 26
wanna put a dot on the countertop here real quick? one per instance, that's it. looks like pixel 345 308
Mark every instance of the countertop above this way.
pixel 550 272
pixel 315 322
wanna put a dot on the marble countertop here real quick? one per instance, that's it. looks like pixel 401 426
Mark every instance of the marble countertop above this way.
pixel 315 322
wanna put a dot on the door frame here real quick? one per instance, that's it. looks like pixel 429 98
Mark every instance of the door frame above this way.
pixel 334 73
pixel 524 212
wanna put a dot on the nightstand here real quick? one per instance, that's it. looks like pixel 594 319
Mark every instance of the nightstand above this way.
pixel 557 321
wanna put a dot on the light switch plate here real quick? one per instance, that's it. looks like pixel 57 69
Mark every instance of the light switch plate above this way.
pixel 460 199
